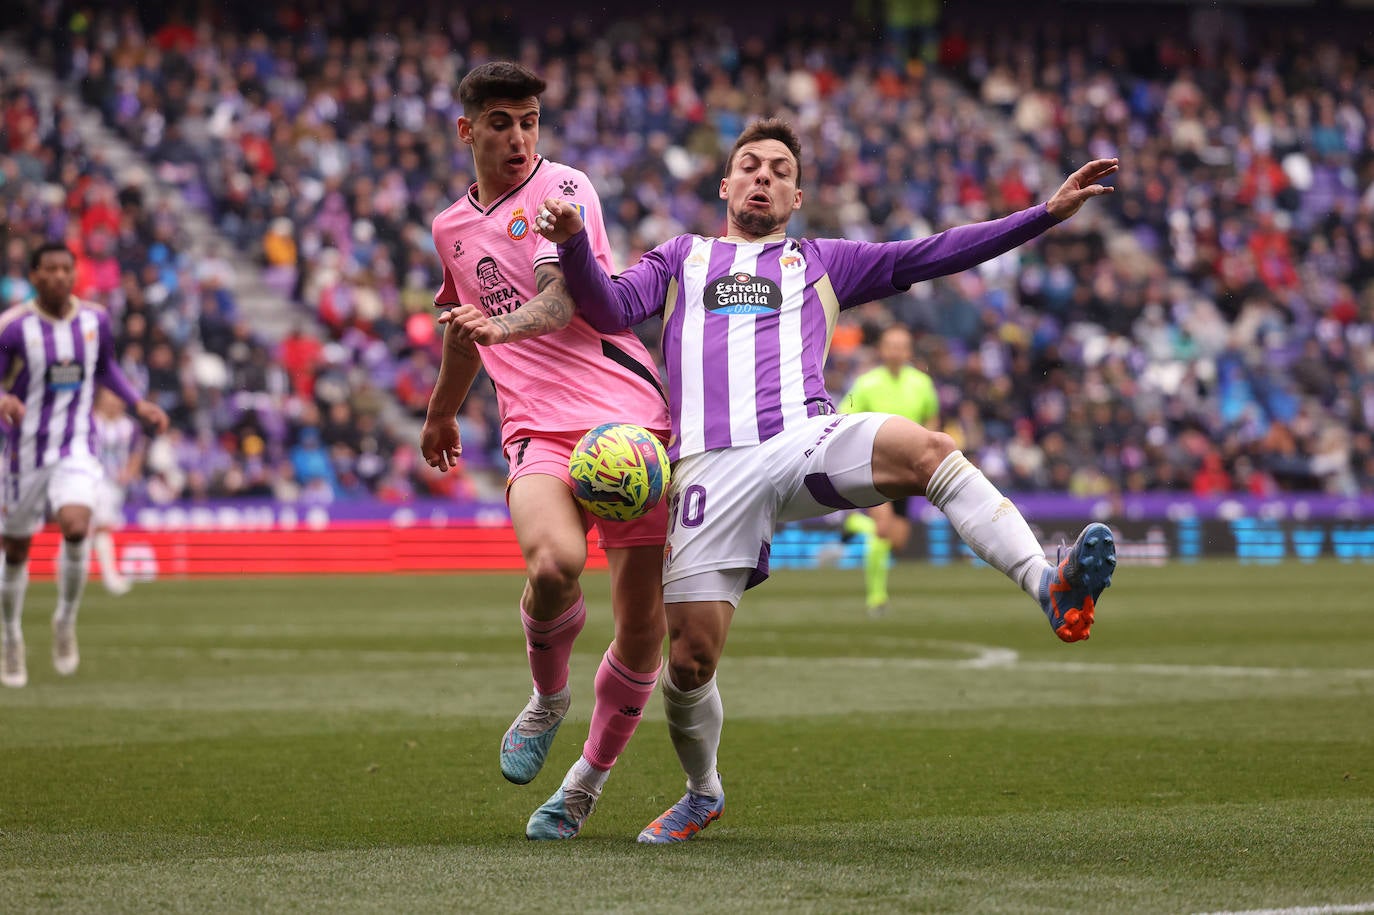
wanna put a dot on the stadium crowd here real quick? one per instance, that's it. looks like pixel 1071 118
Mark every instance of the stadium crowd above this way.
pixel 1210 330
pixel 294 420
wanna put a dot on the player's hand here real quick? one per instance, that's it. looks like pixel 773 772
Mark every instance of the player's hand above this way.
pixel 152 415
pixel 558 220
pixel 11 409
pixel 472 323
pixel 1080 186
pixel 440 444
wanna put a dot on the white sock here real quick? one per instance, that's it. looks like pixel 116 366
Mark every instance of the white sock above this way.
pixel 586 776
pixel 558 701
pixel 14 581
pixel 103 544
pixel 988 522
pixel 73 563
pixel 695 720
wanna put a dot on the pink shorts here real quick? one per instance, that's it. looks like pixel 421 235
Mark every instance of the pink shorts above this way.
pixel 548 453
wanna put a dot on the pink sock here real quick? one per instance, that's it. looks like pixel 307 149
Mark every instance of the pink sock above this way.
pixel 549 644
pixel 621 695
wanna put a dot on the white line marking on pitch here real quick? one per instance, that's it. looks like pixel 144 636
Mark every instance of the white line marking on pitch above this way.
pixel 1308 910
pixel 987 657
pixel 981 657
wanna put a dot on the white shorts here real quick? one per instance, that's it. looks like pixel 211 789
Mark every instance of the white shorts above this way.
pixel 109 505
pixel 726 503
pixel 72 480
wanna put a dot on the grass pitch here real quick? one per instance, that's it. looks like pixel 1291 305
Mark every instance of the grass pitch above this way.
pixel 330 745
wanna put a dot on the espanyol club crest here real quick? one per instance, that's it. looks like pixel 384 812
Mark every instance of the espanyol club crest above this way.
pixel 519 226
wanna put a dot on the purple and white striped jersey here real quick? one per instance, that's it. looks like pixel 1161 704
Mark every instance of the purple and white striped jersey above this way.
pixel 114 441
pixel 747 325
pixel 53 366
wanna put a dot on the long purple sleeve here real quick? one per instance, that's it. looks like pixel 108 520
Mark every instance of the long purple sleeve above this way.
pixel 614 303
pixel 107 371
pixel 864 271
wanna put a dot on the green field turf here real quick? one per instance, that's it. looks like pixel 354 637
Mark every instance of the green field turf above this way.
pixel 330 745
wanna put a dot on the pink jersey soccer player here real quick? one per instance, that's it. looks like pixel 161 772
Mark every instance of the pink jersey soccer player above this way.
pixel 756 439
pixel 55 351
pixel 555 378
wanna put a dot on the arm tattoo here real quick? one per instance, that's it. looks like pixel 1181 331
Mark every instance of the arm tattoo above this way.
pixel 551 308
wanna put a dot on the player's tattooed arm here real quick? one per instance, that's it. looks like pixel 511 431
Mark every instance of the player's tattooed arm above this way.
pixel 548 311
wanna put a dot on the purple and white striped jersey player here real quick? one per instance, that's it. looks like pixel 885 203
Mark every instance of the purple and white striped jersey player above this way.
pixel 54 366
pixel 747 324
pixel 115 437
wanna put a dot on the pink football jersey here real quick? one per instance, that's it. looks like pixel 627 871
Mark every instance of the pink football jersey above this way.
pixel 568 380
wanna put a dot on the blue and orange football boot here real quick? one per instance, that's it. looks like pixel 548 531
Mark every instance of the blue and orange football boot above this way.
pixel 686 818
pixel 1069 592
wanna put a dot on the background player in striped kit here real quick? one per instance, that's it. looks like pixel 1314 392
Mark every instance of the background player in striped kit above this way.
pixel 747 324
pixel 897 387
pixel 119 446
pixel 54 352
pixel 555 378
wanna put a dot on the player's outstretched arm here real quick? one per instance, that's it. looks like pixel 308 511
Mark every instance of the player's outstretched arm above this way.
pixel 863 271
pixel 440 444
pixel 551 309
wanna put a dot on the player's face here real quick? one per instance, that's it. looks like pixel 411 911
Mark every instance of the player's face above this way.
pixel 503 138
pixel 108 403
pixel 894 348
pixel 54 278
pixel 761 192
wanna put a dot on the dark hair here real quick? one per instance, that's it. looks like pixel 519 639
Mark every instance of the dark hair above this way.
pixel 768 129
pixel 36 258
pixel 499 79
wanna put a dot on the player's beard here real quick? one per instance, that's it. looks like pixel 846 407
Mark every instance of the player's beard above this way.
pixel 756 222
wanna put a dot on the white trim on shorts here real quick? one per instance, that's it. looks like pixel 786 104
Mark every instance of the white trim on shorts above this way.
pixel 716 584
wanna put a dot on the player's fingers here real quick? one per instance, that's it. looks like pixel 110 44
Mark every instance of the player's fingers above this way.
pixel 1097 170
pixel 1093 190
pixel 1098 166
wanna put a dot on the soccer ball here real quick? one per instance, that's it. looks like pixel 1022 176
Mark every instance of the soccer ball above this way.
pixel 619 471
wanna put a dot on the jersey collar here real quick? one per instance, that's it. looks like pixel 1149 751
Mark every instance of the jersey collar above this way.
pixel 766 240
pixel 486 211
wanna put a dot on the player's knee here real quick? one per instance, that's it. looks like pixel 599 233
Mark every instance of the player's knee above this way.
pixel 17 551
pixel 76 531
pixel 931 450
pixel 551 575
pixel 691 666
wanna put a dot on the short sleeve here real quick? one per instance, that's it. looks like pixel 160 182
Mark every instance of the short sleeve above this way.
pixel 574 187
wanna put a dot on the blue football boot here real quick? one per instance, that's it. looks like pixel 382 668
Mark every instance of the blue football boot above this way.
pixel 526 744
pixel 1069 592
